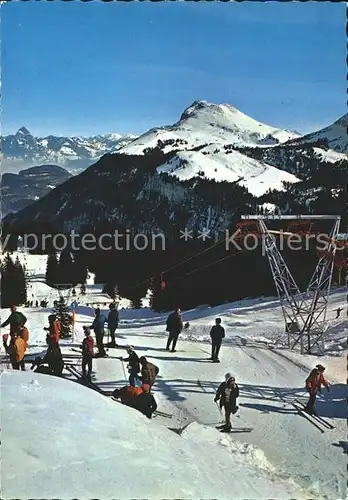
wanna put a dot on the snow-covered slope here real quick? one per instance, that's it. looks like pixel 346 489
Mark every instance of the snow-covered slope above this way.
pixel 24 150
pixel 215 163
pixel 335 135
pixel 61 440
pixel 76 444
pixel 274 460
pixel 206 123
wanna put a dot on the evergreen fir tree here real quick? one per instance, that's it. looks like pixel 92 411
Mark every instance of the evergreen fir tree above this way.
pixel 52 270
pixel 8 282
pixel 66 268
pixel 83 289
pixel 21 283
pixel 64 316
pixel 136 303
pixel 112 290
pixel 80 268
pixel 73 293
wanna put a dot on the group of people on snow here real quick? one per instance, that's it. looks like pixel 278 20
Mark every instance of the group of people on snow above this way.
pixel 142 373
pixel 98 326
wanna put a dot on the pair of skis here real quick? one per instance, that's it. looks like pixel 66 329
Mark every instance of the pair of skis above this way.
pixel 318 422
pixel 222 428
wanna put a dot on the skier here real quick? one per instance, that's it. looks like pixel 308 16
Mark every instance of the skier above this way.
pixel 145 402
pixel 217 333
pixel 87 353
pixel 53 358
pixel 313 385
pixel 227 393
pixel 149 372
pixel 113 319
pixel 15 319
pixel 174 327
pixel 98 327
pixel 16 350
pixel 338 312
pixel 53 328
pixel 133 365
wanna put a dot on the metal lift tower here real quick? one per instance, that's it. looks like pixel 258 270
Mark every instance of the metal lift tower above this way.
pixel 304 313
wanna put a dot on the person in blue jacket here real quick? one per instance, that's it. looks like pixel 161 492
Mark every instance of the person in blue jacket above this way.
pixel 98 327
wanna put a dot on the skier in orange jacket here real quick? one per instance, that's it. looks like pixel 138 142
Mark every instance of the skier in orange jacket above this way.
pixel 313 385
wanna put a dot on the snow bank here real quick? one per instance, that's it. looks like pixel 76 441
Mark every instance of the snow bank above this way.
pixel 61 440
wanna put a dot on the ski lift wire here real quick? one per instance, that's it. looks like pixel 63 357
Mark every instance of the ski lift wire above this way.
pixel 178 264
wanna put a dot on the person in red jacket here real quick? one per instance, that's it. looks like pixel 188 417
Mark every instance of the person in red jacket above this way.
pixel 87 353
pixel 53 328
pixel 313 385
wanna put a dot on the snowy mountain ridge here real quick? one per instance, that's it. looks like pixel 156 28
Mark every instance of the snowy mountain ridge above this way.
pixel 76 153
pixel 205 123
pixel 335 135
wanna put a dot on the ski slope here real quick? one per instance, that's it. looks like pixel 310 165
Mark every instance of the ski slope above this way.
pixel 284 456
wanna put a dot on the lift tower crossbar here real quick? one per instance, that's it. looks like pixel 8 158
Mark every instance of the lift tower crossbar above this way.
pixel 304 313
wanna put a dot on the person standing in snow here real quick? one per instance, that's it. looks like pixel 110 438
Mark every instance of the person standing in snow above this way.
pixel 313 385
pixel 217 333
pixel 133 365
pixel 87 353
pixel 98 327
pixel 149 372
pixel 338 312
pixel 113 319
pixel 53 328
pixel 174 327
pixel 227 393
pixel 15 319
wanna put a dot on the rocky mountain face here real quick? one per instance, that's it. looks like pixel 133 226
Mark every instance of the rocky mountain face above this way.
pixel 204 171
pixel 22 150
pixel 29 185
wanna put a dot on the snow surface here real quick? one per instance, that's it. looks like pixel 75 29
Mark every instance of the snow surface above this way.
pixel 330 155
pixel 256 176
pixel 283 454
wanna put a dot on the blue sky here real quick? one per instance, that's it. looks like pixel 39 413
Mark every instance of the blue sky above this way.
pixel 89 68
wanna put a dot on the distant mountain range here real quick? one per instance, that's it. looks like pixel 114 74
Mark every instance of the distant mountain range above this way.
pixel 20 190
pixel 22 150
pixel 214 163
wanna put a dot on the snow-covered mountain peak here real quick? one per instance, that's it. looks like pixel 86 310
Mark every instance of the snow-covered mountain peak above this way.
pixel 22 131
pixel 334 136
pixel 206 123
pixel 196 108
pixel 342 121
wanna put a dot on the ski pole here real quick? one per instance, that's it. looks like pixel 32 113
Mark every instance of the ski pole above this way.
pixel 217 404
pixel 124 371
